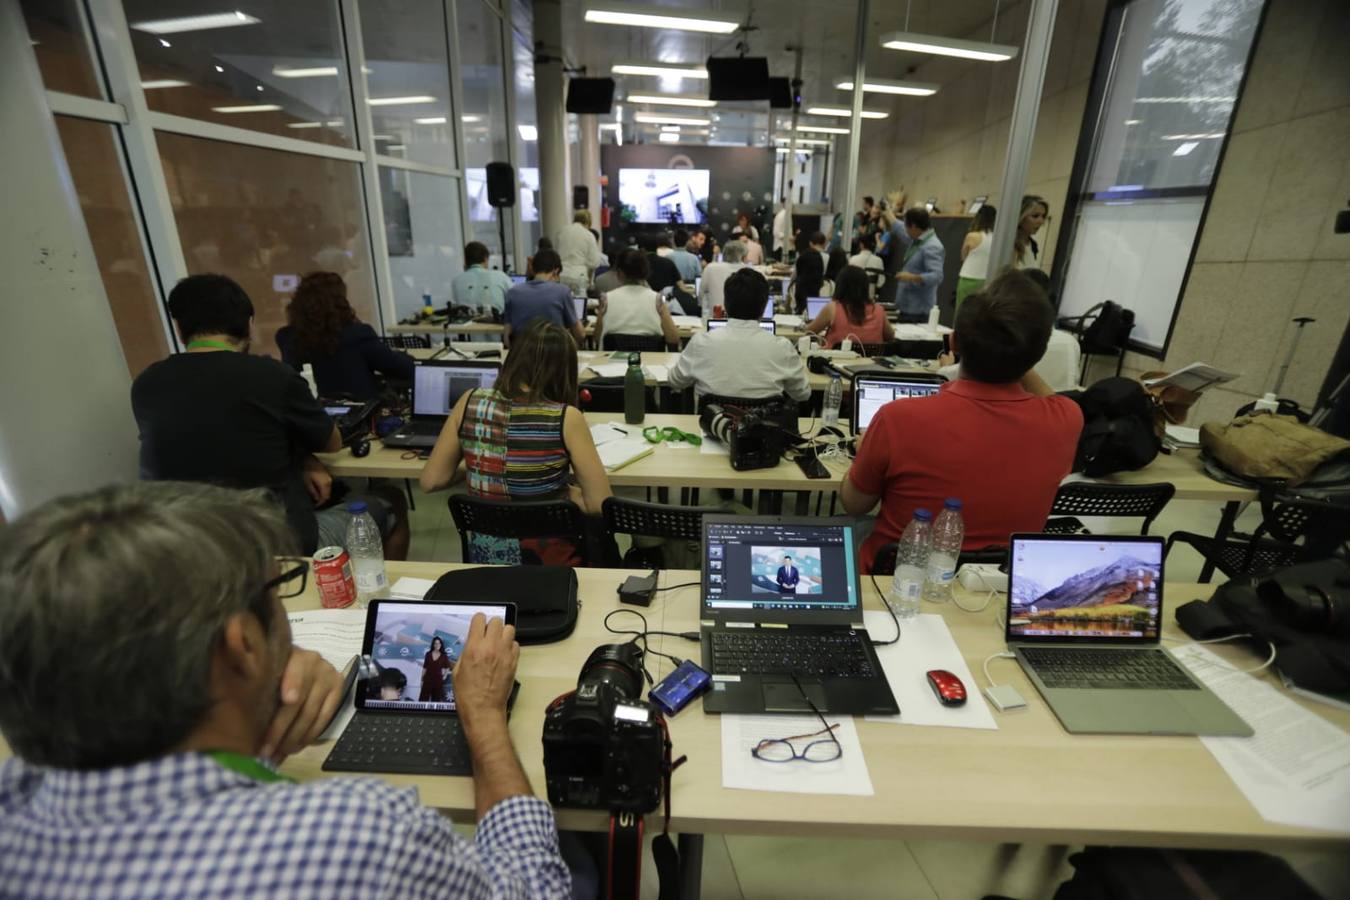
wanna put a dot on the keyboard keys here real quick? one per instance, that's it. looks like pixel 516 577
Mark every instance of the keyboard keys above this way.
pixel 832 655
pixel 427 745
pixel 1068 667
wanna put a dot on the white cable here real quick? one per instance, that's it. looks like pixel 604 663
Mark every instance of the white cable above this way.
pixel 989 679
pixel 1270 660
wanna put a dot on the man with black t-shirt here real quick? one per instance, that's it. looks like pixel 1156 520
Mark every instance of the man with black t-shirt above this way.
pixel 216 414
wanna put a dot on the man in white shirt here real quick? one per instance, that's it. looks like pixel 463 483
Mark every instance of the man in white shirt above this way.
pixel 479 287
pixel 580 252
pixel 868 261
pixel 741 360
pixel 781 232
pixel 715 275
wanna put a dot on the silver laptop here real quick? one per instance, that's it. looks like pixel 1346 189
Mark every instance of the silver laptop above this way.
pixel 1084 619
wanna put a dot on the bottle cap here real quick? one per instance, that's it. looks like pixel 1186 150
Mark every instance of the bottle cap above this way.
pixel 635 359
pixel 923 515
pixel 952 503
pixel 356 507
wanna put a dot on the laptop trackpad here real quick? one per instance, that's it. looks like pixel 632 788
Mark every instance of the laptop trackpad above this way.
pixel 785 696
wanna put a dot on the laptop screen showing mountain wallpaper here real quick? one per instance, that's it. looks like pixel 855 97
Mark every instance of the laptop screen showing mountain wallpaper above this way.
pixel 1101 587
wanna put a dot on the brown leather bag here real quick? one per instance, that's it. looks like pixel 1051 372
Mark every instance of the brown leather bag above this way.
pixel 1263 445
pixel 1171 403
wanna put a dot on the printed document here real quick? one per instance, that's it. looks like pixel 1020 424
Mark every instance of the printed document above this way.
pixel 740 769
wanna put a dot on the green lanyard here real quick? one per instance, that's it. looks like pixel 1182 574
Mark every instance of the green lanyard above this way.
pixel 914 248
pixel 656 435
pixel 247 766
pixel 214 345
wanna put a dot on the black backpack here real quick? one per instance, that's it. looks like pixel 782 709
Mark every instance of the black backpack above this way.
pixel 1118 431
pixel 1108 332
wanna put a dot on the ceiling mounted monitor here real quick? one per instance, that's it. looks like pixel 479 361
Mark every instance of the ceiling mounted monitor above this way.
pixel 738 78
pixel 594 96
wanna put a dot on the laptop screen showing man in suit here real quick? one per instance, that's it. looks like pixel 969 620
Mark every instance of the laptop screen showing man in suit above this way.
pixel 871 394
pixel 1085 589
pixel 415 647
pixel 778 566
pixel 436 389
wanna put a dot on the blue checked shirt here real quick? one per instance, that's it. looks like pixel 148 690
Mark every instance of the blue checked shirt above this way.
pixel 184 826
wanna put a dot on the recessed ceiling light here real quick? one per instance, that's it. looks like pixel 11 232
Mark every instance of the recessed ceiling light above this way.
pixel 312 72
pixel 195 23
pixel 848 113
pixel 220 68
pixel 660 71
pixel 1133 121
pixel 1186 148
pixel 259 88
pixel 943 46
pixel 258 107
pixel 401 101
pixel 671 100
pixel 431 120
pixel 668 137
pixel 162 83
pixel 528 132
pixel 659 119
pixel 888 86
pixel 164 43
pixel 658 17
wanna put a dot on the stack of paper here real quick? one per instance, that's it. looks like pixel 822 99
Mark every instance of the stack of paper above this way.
pixel 606 432
pixel 608 369
pixel 688 321
pixel 1195 378
pixel 1181 436
pixel 617 454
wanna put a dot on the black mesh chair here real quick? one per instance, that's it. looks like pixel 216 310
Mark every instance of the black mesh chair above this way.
pixel 631 343
pixel 741 402
pixel 639 518
pixel 407 341
pixel 607 395
pixel 1087 498
pixel 516 519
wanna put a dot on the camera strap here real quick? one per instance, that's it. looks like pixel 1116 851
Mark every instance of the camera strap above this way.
pixel 624 879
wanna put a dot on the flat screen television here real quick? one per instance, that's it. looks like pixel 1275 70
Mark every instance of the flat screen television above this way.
pixel 677 196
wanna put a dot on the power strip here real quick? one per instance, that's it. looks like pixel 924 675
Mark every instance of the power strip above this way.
pixel 835 354
pixel 978 577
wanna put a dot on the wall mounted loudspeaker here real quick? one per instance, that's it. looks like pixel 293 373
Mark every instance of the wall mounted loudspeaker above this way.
pixel 581 196
pixel 780 93
pixel 501 184
pixel 590 95
pixel 738 78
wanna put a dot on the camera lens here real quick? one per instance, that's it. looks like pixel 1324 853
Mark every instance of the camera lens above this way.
pixel 618 665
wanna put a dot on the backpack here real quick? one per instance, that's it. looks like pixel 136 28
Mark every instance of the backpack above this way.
pixel 1118 428
pixel 1109 331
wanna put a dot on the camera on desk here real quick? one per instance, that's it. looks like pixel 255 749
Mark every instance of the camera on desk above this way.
pixel 603 744
pixel 755 438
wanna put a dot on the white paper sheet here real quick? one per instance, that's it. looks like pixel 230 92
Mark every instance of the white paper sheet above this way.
pixel 617 454
pixel 658 373
pixel 688 321
pixel 713 447
pixel 608 431
pixel 410 588
pixel 740 733
pixel 1296 768
pixel 1186 437
pixel 335 633
pixel 925 643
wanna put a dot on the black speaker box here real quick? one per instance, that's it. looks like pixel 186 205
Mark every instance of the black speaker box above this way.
pixel 780 93
pixel 590 95
pixel 738 78
pixel 501 184
pixel 581 196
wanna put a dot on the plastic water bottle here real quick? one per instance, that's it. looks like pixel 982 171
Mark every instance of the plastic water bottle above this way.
pixel 949 530
pixel 911 564
pixel 834 395
pixel 307 373
pixel 367 553
pixel 634 391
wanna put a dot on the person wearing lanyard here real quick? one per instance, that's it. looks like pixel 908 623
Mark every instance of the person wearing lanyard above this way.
pixel 158 778
pixel 921 270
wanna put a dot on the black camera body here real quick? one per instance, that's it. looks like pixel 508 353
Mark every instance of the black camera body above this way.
pixel 755 437
pixel 604 747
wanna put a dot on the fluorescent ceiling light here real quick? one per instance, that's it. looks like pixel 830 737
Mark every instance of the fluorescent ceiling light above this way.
pixel 668 137
pixel 1185 100
pixel 313 72
pixel 396 147
pixel 944 46
pixel 661 71
pixel 528 132
pixel 789 150
pixel 401 101
pixel 164 43
pixel 434 120
pixel 785 141
pixel 1133 121
pixel 674 128
pixel 304 124
pixel 162 83
pixel 888 86
pixel 220 68
pixel 1186 148
pixel 469 120
pixel 1193 137
pixel 195 23
pixel 658 17
pixel 611 126
pixel 382 137
pixel 840 111
pixel 822 129
pixel 660 119
pixel 257 107
pixel 670 100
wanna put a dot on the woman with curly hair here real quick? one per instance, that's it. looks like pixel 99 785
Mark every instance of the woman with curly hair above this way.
pixel 346 353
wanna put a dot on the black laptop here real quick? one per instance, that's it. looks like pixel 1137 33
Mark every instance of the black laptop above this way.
pixel 437 386
pixel 406 721
pixel 782 616
pixel 873 390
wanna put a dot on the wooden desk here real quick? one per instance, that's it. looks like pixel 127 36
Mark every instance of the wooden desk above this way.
pixel 1184 469
pixel 446 328
pixel 930 783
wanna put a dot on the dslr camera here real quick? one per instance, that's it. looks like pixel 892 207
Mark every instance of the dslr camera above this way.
pixel 604 746
pixel 755 437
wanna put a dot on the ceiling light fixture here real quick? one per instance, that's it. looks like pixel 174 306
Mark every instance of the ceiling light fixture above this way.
pixel 671 100
pixel 789 150
pixel 943 46
pixel 195 23
pixel 401 101
pixel 821 129
pixel 888 86
pixel 660 71
pixel 1185 100
pixel 304 124
pixel 432 120
pixel 162 83
pixel 1186 148
pixel 164 43
pixel 785 140
pixel 469 120
pixel 1193 137
pixel 220 69
pixel 659 119
pixel 848 113
pixel 668 137
pixel 312 72
pixel 658 17
pixel 257 107
pixel 528 132
pixel 675 128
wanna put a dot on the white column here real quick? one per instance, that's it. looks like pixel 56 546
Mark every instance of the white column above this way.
pixel 555 199
pixel 590 166
pixel 65 411
pixel 849 202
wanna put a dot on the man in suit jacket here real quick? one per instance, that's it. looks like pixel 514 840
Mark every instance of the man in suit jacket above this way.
pixel 788 576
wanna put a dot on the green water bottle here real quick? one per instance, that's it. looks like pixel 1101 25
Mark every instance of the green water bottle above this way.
pixel 634 391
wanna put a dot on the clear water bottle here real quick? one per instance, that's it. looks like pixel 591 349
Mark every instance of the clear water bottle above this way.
pixel 834 396
pixel 911 565
pixel 634 391
pixel 949 530
pixel 367 553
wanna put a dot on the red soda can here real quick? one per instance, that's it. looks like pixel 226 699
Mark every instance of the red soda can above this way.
pixel 333 574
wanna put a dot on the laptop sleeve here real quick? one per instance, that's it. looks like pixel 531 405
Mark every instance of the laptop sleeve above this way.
pixel 545 596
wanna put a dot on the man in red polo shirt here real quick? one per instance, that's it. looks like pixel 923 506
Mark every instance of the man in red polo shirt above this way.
pixel 998 437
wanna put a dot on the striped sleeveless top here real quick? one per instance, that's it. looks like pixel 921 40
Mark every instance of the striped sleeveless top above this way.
pixel 514 449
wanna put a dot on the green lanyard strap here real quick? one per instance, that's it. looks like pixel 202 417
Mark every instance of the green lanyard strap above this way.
pixel 914 248
pixel 214 345
pixel 247 766
pixel 656 435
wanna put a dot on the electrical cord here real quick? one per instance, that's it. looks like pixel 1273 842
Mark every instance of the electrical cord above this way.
pixel 989 679
pixel 889 609
pixel 642 636
pixel 1270 660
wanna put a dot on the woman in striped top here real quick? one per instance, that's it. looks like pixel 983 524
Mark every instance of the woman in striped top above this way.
pixel 523 438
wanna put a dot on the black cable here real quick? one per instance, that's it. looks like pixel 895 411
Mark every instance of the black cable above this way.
pixel 875 642
pixel 671 587
pixel 642 636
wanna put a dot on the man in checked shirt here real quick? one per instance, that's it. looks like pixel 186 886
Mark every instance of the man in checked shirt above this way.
pixel 146 668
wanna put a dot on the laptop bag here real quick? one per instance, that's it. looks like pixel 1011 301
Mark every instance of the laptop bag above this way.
pixel 545 596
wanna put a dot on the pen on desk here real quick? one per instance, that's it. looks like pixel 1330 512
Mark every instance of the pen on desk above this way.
pixel 623 431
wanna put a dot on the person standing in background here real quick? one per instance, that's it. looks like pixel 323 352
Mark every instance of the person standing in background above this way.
pixel 975 253
pixel 920 265
pixel 782 232
pixel 580 253
pixel 862 223
pixel 1026 252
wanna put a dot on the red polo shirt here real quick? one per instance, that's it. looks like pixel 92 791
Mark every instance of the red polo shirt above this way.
pixel 1000 449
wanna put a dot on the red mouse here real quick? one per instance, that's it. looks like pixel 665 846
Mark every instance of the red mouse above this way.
pixel 948 688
